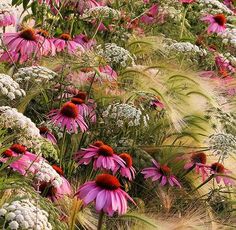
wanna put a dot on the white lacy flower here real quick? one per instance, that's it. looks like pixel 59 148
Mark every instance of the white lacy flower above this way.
pixel 214 6
pixel 100 12
pixel 34 73
pixel 4 7
pixel 46 173
pixel 222 144
pixel 23 214
pixel 229 36
pixel 122 114
pixel 10 88
pixel 186 47
pixel 116 55
pixel 25 130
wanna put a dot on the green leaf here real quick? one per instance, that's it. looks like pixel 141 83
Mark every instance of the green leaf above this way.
pixel 25 4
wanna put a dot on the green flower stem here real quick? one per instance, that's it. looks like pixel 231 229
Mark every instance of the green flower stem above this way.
pixel 183 22
pixel 100 220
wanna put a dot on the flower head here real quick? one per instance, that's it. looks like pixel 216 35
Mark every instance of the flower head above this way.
pixel 102 155
pixel 107 194
pixel 68 117
pixel 24 45
pixel 46 133
pixel 217 23
pixel 65 43
pixel 162 173
pixel 7 16
pixel 218 168
pixel 128 171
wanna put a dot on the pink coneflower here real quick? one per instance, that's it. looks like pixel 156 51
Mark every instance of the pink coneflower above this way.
pixel 160 172
pixel 224 64
pixel 25 44
pixel 7 18
pixel 84 41
pixel 49 47
pixel 65 43
pixel 24 159
pixel 68 117
pixel 128 171
pixel 87 110
pixel 156 103
pixel 45 132
pixel 151 16
pixel 107 194
pixel 218 168
pixel 198 161
pixel 102 155
pixel 217 23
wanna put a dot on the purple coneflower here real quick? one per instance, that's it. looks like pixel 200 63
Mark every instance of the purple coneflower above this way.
pixel 162 173
pixel 107 194
pixel 218 168
pixel 45 132
pixel 198 161
pixel 128 171
pixel 102 155
pixel 68 117
pixel 217 23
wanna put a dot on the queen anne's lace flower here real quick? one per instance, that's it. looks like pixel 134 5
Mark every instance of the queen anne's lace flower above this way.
pixel 46 174
pixel 34 73
pixel 222 144
pixel 25 130
pixel 10 88
pixel 229 36
pixel 100 12
pixel 186 47
pixel 214 6
pixel 116 55
pixel 24 214
pixel 125 114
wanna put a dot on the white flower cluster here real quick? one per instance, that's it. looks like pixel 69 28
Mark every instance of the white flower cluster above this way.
pixel 34 73
pixel 124 114
pixel 214 6
pixel 222 144
pixel 187 47
pixel 116 54
pixel 171 11
pixel 100 12
pixel 25 130
pixel 229 36
pixel 4 7
pixel 46 173
pixel 23 214
pixel 10 88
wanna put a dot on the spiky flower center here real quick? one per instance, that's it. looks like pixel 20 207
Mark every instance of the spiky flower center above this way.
pixel 199 158
pixel 77 101
pixel 17 148
pixel 105 150
pixel 85 39
pixel 218 167
pixel 98 143
pixel 7 153
pixel 28 34
pixel 65 37
pixel 58 169
pixel 127 158
pixel 43 130
pixel 165 170
pixel 43 33
pixel 69 110
pixel 220 19
pixel 81 95
pixel 107 181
